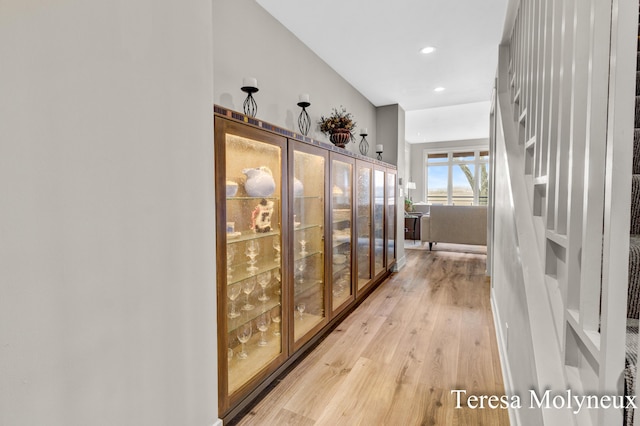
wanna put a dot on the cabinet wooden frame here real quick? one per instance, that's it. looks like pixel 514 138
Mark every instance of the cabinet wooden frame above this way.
pixel 296 146
pixel 391 216
pixel 336 310
pixel 361 291
pixel 222 128
pixel 384 269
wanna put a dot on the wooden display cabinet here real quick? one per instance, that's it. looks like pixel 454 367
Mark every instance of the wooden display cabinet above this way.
pixel 364 226
pixel 301 232
pixel 309 167
pixel 391 219
pixel 251 255
pixel 342 221
pixel 379 215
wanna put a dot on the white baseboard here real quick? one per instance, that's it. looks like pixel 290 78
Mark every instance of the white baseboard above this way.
pixel 218 422
pixel 400 263
pixel 514 415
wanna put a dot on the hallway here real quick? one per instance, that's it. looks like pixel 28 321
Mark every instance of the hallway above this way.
pixel 396 358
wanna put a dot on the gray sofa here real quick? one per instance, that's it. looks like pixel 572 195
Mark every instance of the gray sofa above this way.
pixel 454 224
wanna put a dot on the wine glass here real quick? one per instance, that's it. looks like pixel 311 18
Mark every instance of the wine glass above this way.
pixel 247 288
pixel 276 318
pixel 231 253
pixel 276 247
pixel 303 247
pixel 264 280
pixel 244 334
pixel 263 322
pixel 301 307
pixel 299 270
pixel 233 293
pixel 252 249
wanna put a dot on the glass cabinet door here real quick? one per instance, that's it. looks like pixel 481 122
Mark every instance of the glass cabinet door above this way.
pixel 363 225
pixel 378 221
pixel 341 231
pixel 391 218
pixel 250 243
pixel 309 176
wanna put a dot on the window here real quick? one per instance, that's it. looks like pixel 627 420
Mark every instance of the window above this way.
pixel 460 178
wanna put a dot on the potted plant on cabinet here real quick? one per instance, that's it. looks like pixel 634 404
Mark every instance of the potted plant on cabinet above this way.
pixel 339 126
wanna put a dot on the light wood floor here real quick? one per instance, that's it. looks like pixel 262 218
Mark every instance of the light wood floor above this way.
pixel 396 358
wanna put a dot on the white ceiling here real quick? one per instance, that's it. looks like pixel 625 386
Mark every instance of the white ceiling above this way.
pixel 375 46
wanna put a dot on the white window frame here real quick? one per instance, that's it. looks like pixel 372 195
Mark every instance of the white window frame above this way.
pixel 476 162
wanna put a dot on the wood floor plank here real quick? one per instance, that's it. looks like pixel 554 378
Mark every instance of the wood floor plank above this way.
pixel 397 357
pixel 331 370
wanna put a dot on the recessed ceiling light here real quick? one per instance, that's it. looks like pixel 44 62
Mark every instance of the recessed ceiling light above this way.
pixel 427 50
pixel 438 89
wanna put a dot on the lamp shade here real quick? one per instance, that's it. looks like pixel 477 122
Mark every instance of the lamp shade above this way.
pixel 411 185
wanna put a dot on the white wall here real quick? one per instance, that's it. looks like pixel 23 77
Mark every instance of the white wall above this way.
pixel 417 159
pixel 107 273
pixel 249 42
pixel 390 129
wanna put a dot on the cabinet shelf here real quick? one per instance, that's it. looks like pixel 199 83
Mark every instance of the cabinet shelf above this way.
pixel 252 315
pixel 250 235
pixel 301 288
pixel 305 324
pixel 307 255
pixel 308 197
pixel 345 220
pixel 275 199
pixel 305 227
pixel 240 272
pixel 242 370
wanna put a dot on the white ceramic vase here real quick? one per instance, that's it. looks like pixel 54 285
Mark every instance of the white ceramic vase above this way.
pixel 260 182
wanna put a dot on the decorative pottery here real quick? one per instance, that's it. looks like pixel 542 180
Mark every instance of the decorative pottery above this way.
pixel 340 137
pixel 298 188
pixel 261 216
pixel 259 182
pixel 232 188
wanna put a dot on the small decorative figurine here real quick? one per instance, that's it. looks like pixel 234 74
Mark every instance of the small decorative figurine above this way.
pixel 260 182
pixel 261 216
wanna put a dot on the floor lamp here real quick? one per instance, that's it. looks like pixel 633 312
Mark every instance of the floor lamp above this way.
pixel 410 186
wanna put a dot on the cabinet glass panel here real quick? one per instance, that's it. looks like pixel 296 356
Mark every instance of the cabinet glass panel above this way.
pixel 391 218
pixel 364 226
pixel 341 232
pixel 378 221
pixel 308 242
pixel 254 243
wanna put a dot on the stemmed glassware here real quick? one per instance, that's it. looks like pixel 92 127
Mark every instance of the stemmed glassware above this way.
pixel 263 280
pixel 299 270
pixel 276 318
pixel 263 322
pixel 251 251
pixel 231 253
pixel 233 293
pixel 303 247
pixel 247 288
pixel 244 334
pixel 301 307
pixel 276 247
